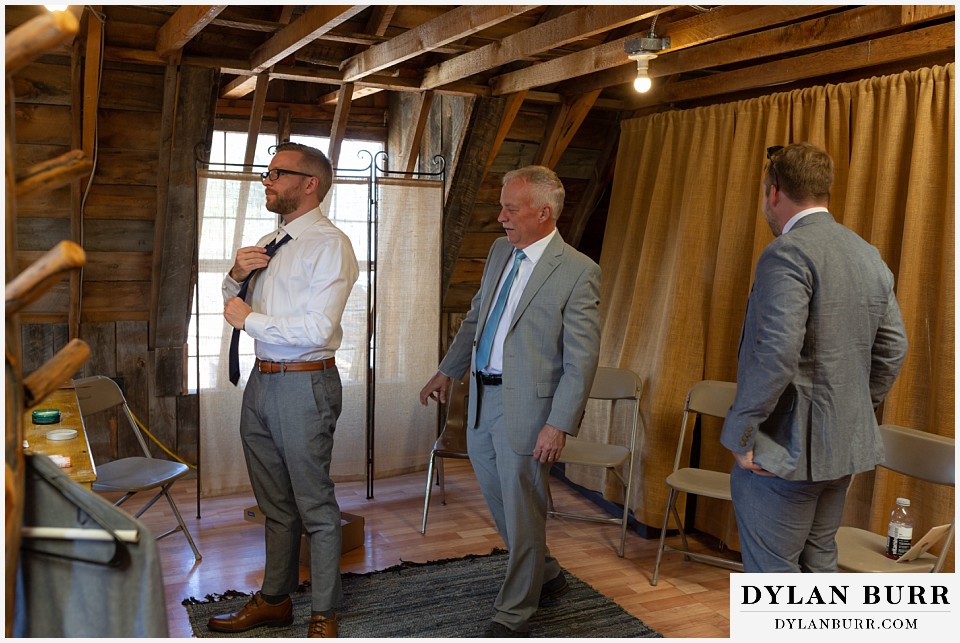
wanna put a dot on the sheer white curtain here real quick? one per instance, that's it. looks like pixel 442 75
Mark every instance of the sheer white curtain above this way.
pixel 232 215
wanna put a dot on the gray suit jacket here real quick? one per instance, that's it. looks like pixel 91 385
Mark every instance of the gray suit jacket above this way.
pixel 822 343
pixel 551 349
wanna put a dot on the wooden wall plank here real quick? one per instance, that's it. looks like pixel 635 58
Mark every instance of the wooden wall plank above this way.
pixel 44 124
pixel 132 371
pixel 101 427
pixel 127 167
pixel 170 310
pixel 129 130
pixel 34 233
pixel 138 90
pixel 46 203
pixel 40 343
pixel 161 421
pixel 188 432
pixel 122 202
pixel 45 83
pixel 103 202
pixel 115 297
pixel 118 266
pixel 130 235
pixel 102 339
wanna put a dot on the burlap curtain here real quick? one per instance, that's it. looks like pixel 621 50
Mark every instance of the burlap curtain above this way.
pixel 684 231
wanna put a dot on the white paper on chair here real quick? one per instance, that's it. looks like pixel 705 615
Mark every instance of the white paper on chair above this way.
pixel 930 539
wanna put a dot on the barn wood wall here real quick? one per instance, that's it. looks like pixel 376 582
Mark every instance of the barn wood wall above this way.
pixel 117 233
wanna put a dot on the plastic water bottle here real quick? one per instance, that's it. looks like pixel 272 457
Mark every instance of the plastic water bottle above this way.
pixel 900 530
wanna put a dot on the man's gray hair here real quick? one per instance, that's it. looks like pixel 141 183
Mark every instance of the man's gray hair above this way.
pixel 545 187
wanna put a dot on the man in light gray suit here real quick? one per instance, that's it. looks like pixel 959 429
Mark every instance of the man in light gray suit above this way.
pixel 822 343
pixel 531 341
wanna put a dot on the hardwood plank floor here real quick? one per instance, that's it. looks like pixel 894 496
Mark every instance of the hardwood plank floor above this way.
pixel 691 600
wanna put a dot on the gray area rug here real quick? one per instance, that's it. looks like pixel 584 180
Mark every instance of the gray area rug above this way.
pixel 446 598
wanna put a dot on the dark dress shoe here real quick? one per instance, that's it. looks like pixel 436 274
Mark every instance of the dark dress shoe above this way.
pixel 554 588
pixel 497 630
pixel 255 613
pixel 323 627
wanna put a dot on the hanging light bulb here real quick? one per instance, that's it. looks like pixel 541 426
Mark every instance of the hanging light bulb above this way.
pixel 56 7
pixel 643 50
pixel 642 83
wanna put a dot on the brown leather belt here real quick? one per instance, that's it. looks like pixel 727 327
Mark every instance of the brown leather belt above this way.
pixel 283 367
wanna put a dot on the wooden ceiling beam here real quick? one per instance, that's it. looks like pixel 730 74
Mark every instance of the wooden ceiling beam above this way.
pixel 543 36
pixel 453 25
pixel 300 33
pixel 510 111
pixel 377 25
pixel 722 22
pixel 341 116
pixel 256 117
pixel 570 119
pixel 314 22
pixel 818 32
pixel 421 115
pixel 879 51
pixel 183 25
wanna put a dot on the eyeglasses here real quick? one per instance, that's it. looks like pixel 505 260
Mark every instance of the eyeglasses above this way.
pixel 772 151
pixel 276 173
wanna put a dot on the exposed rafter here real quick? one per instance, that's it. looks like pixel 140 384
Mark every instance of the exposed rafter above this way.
pixel 554 33
pixel 446 28
pixel 186 23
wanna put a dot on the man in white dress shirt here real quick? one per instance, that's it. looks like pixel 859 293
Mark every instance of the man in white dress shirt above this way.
pixel 293 396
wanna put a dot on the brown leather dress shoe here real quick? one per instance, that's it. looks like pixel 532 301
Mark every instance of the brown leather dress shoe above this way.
pixel 255 613
pixel 323 627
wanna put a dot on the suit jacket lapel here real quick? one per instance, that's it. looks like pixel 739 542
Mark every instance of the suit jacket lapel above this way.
pixel 552 257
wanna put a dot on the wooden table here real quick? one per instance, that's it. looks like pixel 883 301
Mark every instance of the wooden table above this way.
pixel 64 399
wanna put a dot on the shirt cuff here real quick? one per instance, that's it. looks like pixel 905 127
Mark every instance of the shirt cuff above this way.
pixel 254 323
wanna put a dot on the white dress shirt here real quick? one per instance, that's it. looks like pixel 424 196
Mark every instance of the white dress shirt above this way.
pixel 799 215
pixel 299 298
pixel 533 253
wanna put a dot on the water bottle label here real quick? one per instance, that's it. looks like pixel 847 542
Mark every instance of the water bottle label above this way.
pixel 899 540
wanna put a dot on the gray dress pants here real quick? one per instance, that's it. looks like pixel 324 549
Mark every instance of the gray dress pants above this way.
pixel 287 425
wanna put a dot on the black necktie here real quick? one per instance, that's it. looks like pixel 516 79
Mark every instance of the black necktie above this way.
pixel 271 249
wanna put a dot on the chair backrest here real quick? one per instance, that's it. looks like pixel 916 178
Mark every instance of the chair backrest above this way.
pixel 453 438
pixel 919 454
pixel 615 384
pixel 711 397
pixel 457 403
pixel 708 397
pixel 99 393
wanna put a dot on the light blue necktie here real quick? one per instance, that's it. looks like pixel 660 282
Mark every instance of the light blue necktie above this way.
pixel 493 320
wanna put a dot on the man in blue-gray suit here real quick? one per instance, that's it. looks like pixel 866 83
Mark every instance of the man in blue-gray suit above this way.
pixel 531 341
pixel 822 343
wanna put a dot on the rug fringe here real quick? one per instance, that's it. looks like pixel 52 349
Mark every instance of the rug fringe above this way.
pixel 409 564
pixel 215 598
pixel 305 586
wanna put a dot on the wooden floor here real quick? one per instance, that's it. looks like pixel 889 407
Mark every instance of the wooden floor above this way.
pixel 691 600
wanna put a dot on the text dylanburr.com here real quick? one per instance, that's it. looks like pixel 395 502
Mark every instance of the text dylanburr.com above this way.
pixel 858 607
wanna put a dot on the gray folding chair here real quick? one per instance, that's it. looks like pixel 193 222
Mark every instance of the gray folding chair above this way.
pixel 452 442
pixel 610 384
pixel 712 398
pixel 919 455
pixel 134 474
